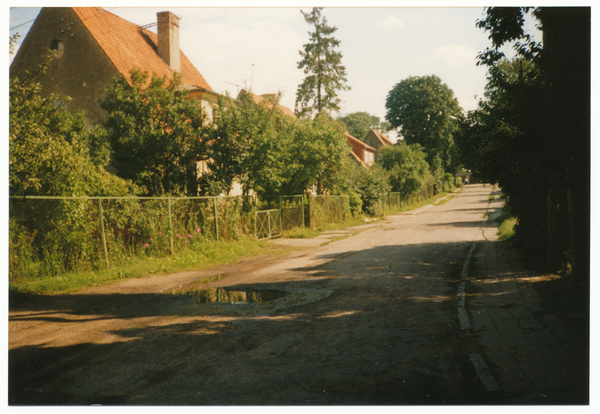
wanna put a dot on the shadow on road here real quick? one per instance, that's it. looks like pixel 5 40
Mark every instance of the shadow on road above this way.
pixel 387 334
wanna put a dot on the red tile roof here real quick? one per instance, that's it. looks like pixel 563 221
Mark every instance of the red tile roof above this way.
pixel 128 46
pixel 355 141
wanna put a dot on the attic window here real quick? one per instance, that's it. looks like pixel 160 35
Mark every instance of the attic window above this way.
pixel 57 48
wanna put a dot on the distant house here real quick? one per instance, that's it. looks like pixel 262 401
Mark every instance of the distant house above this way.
pixel 377 140
pixel 361 152
pixel 92 46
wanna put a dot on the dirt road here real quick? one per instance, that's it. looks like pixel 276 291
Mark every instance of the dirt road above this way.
pixel 369 319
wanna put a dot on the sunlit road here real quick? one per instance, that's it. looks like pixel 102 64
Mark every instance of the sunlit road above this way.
pixel 385 332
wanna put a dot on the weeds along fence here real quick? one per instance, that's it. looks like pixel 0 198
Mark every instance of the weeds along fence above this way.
pixel 392 202
pixel 54 235
pixel 328 209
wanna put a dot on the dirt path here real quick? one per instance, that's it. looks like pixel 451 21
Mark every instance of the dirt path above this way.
pixel 370 319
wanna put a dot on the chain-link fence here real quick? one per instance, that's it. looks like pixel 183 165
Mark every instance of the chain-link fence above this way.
pixel 328 209
pixel 392 202
pixel 53 235
pixel 292 212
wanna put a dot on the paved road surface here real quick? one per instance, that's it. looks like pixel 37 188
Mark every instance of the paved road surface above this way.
pixel 370 319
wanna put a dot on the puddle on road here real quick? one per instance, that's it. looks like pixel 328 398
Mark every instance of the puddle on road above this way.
pixel 262 301
pixel 220 295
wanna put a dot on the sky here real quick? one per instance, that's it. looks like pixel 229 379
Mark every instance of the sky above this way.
pixel 258 47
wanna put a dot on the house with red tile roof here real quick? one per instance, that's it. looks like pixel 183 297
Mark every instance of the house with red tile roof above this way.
pixel 91 46
pixel 361 152
pixel 377 140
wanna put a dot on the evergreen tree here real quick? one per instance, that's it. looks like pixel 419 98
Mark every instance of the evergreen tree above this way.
pixel 325 74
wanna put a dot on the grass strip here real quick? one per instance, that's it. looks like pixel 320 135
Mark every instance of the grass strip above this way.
pixel 210 255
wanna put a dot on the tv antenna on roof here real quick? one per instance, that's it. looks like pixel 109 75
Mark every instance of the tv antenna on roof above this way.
pixel 239 87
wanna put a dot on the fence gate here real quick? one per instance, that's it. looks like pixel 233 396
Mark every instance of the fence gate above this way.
pixel 292 212
pixel 268 224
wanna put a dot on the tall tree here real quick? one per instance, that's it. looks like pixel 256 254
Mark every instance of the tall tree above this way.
pixel 325 74
pixel 425 111
pixel 532 132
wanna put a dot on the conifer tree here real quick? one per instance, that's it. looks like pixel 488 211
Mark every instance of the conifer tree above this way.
pixel 325 74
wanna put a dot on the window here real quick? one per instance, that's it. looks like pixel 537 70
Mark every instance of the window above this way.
pixel 58 48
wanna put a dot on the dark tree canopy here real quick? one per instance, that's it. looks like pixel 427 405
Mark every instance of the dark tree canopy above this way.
pixel 531 133
pixel 424 111
pixel 322 65
pixel 156 133
pixel 505 25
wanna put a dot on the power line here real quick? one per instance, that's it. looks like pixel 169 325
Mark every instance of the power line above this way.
pixel 22 24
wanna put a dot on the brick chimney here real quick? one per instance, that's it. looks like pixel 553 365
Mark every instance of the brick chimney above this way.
pixel 168 39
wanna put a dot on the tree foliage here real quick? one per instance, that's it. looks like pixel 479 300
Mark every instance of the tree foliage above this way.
pixel 325 74
pixel 51 151
pixel 531 132
pixel 245 145
pixel 358 124
pixel 271 153
pixel 505 25
pixel 425 112
pixel 407 167
pixel 364 188
pixel 156 133
pixel 320 150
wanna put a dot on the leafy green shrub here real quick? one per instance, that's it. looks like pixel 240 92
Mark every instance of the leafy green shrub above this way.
pixel 20 251
pixel 507 228
pixel 355 202
pixel 407 167
pixel 371 185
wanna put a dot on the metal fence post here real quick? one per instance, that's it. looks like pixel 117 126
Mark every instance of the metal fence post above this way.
pixel 170 226
pixel 269 221
pixel 103 233
pixel 216 218
pixel 302 202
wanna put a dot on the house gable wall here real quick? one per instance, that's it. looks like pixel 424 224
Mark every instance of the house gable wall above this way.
pixel 82 72
pixel 372 140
